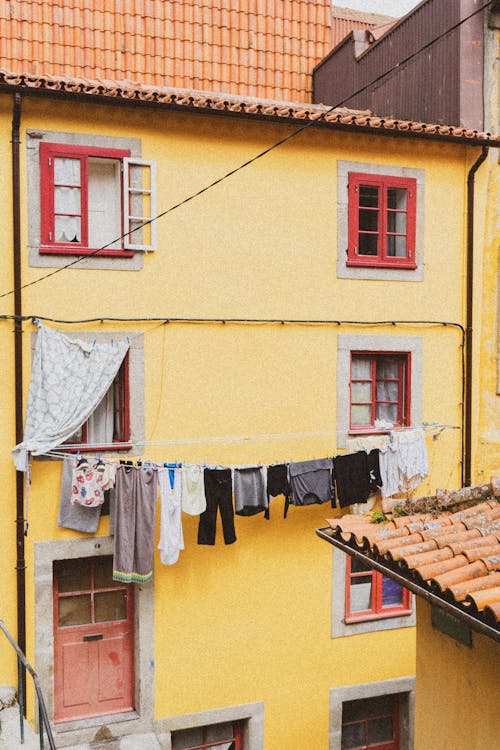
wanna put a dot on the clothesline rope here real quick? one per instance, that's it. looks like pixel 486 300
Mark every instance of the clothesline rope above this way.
pixel 244 438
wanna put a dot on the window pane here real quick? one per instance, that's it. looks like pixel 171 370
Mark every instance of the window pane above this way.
pixel 392 593
pixel 353 736
pixel 369 195
pixel 368 244
pixel 103 573
pixel 381 705
pixel 361 392
pixel 110 605
pixel 358 566
pixel 396 222
pixel 361 415
pixel 387 367
pixel 387 390
pixel 361 367
pixel 186 738
pixel 74 610
pixel 218 732
pixel 387 412
pixel 368 220
pixel 396 246
pixel 67 229
pixel 67 200
pixel 66 171
pixel 396 198
pixel 380 730
pixel 361 594
pixel 73 575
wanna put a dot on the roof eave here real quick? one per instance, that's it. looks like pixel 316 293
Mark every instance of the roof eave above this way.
pixel 220 106
pixel 479 626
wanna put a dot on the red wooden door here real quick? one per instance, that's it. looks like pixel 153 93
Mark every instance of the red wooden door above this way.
pixel 93 640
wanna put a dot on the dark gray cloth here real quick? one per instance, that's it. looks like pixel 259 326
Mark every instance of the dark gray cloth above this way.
pixel 311 481
pixel 249 488
pixel 136 492
pixel 74 516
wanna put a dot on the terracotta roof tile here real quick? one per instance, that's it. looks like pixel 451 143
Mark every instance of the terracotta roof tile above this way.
pixel 453 556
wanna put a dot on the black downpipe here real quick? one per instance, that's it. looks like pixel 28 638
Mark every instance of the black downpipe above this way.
pixel 467 437
pixel 18 374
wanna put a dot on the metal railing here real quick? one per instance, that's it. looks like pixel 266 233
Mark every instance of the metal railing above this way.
pixel 43 719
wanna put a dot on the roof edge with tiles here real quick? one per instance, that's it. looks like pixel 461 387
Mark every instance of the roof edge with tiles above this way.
pixel 449 556
pixel 134 94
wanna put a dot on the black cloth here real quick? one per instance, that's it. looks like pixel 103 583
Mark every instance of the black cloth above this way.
pixel 219 494
pixel 278 484
pixel 352 477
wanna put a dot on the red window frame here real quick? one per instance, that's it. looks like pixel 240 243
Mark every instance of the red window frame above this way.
pixel 121 438
pixel 373 717
pixel 404 391
pixel 377 610
pixel 49 151
pixel 382 233
pixel 206 744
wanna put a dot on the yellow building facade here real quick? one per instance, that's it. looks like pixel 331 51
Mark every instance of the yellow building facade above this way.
pixel 243 320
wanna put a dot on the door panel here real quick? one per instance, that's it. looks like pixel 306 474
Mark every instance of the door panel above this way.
pixel 93 641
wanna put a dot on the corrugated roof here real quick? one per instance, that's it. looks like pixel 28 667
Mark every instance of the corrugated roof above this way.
pixel 249 107
pixel 263 48
pixel 453 556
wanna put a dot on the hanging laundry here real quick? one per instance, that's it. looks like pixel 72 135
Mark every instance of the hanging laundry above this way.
pixel 219 495
pixel 136 491
pixel 352 478
pixel 171 536
pixel 89 480
pixel 278 484
pixel 311 482
pixel 413 460
pixel 375 479
pixel 193 489
pixel 250 495
pixel 71 515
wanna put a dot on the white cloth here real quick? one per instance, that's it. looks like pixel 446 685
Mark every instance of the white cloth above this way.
pixel 193 498
pixel 388 460
pixel 413 460
pixel 69 379
pixel 171 536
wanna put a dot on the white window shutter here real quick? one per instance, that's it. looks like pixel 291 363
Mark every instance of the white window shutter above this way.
pixel 139 204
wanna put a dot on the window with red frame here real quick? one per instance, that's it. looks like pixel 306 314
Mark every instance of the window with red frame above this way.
pixel 371 723
pixel 372 596
pixel 109 425
pixel 92 200
pixel 379 390
pixel 227 736
pixel 382 221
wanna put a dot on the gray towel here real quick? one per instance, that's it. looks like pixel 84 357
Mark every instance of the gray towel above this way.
pixel 76 516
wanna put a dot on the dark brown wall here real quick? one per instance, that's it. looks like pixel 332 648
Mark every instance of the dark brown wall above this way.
pixel 443 84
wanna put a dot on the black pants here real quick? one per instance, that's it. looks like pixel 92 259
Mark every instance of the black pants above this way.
pixel 219 494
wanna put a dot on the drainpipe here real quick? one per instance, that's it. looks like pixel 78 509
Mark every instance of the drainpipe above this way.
pixel 18 374
pixel 467 438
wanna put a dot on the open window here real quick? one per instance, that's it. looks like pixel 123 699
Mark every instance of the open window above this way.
pixel 226 736
pixel 382 221
pixel 95 201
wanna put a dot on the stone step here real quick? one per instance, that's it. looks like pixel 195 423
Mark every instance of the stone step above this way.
pixel 10 731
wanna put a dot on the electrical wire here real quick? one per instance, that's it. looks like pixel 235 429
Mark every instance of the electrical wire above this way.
pixel 252 160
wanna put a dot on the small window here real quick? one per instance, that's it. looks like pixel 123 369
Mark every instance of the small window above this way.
pixel 227 736
pixel 370 595
pixel 379 391
pixel 382 221
pixel 109 425
pixel 371 723
pixel 95 201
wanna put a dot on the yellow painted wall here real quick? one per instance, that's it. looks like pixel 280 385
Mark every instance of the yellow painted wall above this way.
pixel 250 621
pixel 457 690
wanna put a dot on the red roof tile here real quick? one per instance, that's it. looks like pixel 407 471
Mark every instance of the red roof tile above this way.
pixel 454 557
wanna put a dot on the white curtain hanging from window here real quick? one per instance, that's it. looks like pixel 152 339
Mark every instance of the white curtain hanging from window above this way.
pixel 69 379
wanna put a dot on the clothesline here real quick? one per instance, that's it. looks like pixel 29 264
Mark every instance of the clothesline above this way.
pixel 427 427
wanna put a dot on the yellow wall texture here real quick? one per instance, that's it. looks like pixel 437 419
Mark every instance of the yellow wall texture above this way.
pixel 249 621
pixel 456 694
